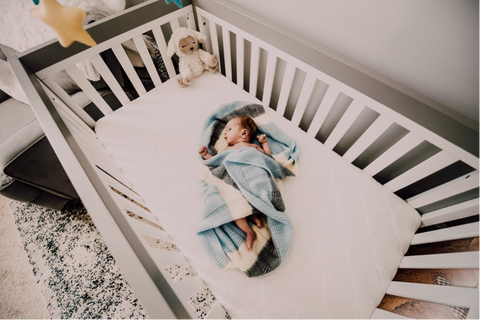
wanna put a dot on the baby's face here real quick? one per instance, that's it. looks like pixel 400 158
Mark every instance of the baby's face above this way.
pixel 233 131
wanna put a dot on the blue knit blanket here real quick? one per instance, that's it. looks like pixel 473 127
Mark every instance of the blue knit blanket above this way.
pixel 238 183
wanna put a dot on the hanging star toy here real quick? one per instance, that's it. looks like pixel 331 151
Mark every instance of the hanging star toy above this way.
pixel 67 22
pixel 177 2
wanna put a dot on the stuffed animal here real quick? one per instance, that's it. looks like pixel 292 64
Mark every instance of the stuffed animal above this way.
pixel 192 60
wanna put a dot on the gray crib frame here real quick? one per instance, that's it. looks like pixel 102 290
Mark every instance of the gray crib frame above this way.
pixel 152 287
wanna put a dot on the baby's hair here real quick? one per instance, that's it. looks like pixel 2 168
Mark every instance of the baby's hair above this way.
pixel 250 125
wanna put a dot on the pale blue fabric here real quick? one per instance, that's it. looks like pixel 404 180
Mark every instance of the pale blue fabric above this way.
pixel 279 142
pixel 254 174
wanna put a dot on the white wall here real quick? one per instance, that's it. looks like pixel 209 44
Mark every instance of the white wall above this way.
pixel 430 46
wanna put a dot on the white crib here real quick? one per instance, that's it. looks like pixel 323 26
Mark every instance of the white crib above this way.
pixel 425 157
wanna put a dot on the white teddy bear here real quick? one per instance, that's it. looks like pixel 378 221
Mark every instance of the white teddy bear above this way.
pixel 192 60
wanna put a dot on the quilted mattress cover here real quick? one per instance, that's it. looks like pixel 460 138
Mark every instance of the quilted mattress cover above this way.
pixel 350 232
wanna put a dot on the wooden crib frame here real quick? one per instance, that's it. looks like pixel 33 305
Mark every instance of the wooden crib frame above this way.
pixel 300 82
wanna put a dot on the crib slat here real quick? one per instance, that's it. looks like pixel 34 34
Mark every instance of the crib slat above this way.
pixel 322 112
pixel 458 211
pixel 286 88
pixel 120 187
pixel 128 68
pixel 89 142
pixel 216 313
pixel 303 99
pixel 89 90
pixel 72 122
pixel 105 165
pixel 424 169
pixel 99 165
pixel 214 37
pixel 162 47
pixel 449 189
pixel 382 314
pixel 139 211
pixel 155 239
pixel 352 113
pixel 75 121
pixel 145 224
pixel 403 146
pixel 116 37
pixel 109 168
pixel 380 125
pixel 146 230
pixel 90 145
pixel 270 77
pixel 72 104
pixel 456 260
pixel 162 257
pixel 193 285
pixel 254 66
pixel 108 216
pixel 190 20
pixel 240 61
pixel 473 312
pixel 147 59
pixel 452 233
pixel 175 24
pixel 107 75
pixel 203 29
pixel 449 295
pixel 155 231
pixel 227 53
pixel 152 232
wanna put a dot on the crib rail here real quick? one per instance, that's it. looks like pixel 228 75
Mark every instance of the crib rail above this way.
pixel 418 162
pixel 313 117
pixel 158 28
pixel 105 213
pixel 383 132
pixel 165 282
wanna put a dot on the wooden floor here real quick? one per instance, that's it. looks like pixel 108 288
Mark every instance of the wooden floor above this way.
pixel 456 277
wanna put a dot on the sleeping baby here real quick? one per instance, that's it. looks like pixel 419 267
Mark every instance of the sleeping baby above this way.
pixel 239 132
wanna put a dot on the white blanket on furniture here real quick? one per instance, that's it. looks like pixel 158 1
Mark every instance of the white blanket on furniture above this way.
pixel 354 230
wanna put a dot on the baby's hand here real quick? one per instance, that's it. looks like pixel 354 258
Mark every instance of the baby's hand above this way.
pixel 262 138
pixel 203 151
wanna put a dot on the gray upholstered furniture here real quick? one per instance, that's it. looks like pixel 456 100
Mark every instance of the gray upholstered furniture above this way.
pixel 29 169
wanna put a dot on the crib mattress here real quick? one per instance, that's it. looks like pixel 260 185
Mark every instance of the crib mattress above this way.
pixel 349 235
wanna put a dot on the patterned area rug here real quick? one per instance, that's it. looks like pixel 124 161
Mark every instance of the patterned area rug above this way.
pixel 73 267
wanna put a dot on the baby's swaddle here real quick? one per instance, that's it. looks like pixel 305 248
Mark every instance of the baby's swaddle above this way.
pixel 238 183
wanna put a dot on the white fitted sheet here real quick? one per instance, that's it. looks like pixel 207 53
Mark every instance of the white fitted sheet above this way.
pixel 350 232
